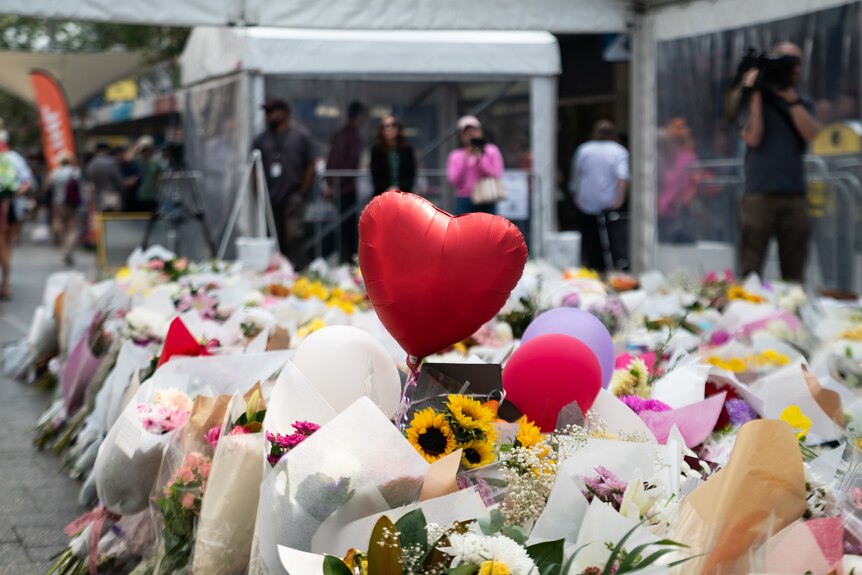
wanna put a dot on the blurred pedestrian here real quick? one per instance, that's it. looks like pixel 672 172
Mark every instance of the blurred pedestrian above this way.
pixel 104 175
pixel 131 173
pixel 66 206
pixel 288 160
pixel 677 182
pixel 598 181
pixel 475 163
pixel 777 126
pixel 149 169
pixel 344 151
pixel 15 180
pixel 393 160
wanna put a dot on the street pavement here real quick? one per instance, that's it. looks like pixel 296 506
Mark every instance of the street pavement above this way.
pixel 37 499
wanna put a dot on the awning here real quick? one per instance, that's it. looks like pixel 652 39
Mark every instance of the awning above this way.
pixel 82 75
pixel 560 16
pixel 212 52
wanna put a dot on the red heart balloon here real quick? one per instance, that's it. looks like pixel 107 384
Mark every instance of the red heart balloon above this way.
pixel 434 279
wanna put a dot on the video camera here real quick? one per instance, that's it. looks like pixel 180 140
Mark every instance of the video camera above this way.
pixel 776 70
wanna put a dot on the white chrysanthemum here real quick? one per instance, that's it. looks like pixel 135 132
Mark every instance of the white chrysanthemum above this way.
pixel 147 323
pixel 503 331
pixel 474 549
pixel 259 317
pixel 504 550
pixel 253 298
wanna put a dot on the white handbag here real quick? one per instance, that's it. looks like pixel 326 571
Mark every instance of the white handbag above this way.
pixel 488 191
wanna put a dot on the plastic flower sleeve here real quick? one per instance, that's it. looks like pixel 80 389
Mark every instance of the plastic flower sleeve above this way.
pixel 294 399
pixel 177 493
pixel 229 374
pixel 226 525
pixel 358 448
pixel 129 458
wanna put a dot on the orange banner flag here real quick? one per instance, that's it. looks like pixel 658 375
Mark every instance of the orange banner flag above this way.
pixel 53 117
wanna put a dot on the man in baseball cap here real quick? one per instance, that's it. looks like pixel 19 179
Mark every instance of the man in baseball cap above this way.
pixel 287 154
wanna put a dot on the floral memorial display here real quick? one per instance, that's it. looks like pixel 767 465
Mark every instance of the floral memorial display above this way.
pixel 394 418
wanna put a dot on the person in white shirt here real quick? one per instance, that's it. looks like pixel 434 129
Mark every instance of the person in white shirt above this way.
pixel 66 209
pixel 598 182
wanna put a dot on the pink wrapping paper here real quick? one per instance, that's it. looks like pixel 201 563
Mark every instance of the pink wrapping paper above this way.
pixel 79 370
pixel 695 421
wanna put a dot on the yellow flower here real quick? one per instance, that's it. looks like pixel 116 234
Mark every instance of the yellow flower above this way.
pixel 310 327
pixel 469 414
pixel 737 292
pixel 344 305
pixel 430 434
pixel 772 357
pixel 528 433
pixel 493 568
pixel 734 364
pixel 581 274
pixel 123 273
pixel 477 453
pixel 460 347
pixel 794 417
pixel 623 383
pixel 854 334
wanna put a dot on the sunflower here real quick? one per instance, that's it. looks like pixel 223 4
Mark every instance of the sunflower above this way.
pixel 469 418
pixel 477 454
pixel 528 433
pixel 431 435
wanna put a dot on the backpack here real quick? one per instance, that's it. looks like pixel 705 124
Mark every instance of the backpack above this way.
pixel 8 177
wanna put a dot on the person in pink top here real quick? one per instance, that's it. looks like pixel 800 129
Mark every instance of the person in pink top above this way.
pixel 472 162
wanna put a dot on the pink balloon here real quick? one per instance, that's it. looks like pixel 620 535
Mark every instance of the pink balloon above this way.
pixel 548 373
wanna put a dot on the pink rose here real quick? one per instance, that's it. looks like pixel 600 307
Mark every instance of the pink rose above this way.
pixel 212 436
pixel 185 475
pixel 156 265
pixel 238 430
pixel 181 264
pixel 188 501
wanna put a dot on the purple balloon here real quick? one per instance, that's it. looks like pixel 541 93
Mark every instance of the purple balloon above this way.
pixel 582 326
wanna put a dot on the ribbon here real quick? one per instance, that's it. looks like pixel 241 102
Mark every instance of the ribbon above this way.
pixel 413 363
pixel 96 518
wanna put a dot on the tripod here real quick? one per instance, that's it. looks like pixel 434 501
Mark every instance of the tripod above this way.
pixel 177 201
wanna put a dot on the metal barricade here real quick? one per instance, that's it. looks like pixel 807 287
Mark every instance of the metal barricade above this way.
pixel 328 218
pixel 835 195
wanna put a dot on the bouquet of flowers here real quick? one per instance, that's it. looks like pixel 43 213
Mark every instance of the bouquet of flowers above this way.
pixel 463 423
pixel 227 515
pixel 180 505
pixel 128 462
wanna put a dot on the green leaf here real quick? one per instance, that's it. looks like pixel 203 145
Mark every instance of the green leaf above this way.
pixel 547 554
pixel 571 560
pixel 631 562
pixel 335 566
pixel 412 532
pixel 617 549
pixel 464 570
pixel 384 559
pixel 516 533
pixel 492 524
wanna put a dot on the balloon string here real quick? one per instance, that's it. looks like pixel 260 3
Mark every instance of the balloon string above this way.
pixel 406 393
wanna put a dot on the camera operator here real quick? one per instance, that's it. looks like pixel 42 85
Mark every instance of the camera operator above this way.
pixel 777 124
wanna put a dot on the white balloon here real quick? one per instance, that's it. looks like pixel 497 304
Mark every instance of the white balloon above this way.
pixel 345 363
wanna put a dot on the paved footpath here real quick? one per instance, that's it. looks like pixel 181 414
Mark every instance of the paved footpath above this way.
pixel 36 499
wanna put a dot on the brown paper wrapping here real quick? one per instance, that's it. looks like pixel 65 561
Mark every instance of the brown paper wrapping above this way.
pixel 760 492
pixel 279 338
pixel 441 477
pixel 828 400
pixel 207 412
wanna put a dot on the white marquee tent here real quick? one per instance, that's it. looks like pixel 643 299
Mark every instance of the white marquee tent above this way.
pixel 427 56
pixel 649 22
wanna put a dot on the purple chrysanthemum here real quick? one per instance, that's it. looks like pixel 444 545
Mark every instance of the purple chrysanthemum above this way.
pixel 739 411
